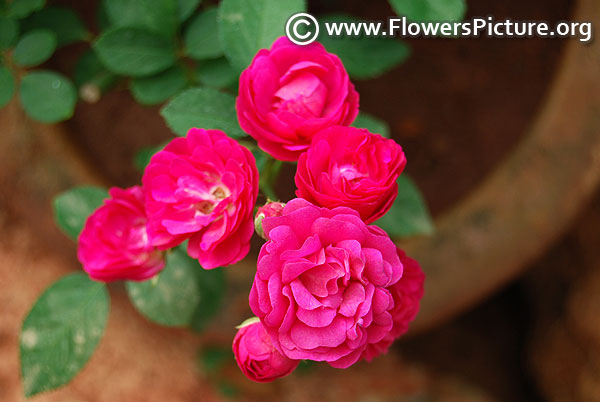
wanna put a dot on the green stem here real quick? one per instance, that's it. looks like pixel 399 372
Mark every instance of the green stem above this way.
pixel 269 177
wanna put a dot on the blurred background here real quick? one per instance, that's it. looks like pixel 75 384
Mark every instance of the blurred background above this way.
pixel 502 137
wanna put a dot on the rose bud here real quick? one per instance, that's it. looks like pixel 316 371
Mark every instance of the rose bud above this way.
pixel 407 294
pixel 114 242
pixel 268 210
pixel 202 187
pixel 323 283
pixel 257 357
pixel 351 167
pixel 291 92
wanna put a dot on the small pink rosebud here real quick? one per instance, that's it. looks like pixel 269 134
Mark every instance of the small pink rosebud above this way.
pixel 268 210
pixel 257 357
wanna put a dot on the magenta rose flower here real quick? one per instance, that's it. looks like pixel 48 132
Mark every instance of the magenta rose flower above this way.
pixel 114 242
pixel 291 92
pixel 202 187
pixel 257 357
pixel 351 167
pixel 322 284
pixel 407 294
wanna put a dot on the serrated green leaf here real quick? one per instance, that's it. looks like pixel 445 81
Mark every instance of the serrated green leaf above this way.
pixel 201 40
pixel 159 16
pixel 363 57
pixel 248 26
pixel 61 332
pixel 143 156
pixel 64 22
pixel 22 8
pixel 372 123
pixel 178 292
pixel 430 10
pixel 409 215
pixel 204 108
pixel 216 73
pixel 9 31
pixel 135 52
pixel 158 88
pixel 47 96
pixel 185 8
pixel 34 48
pixel 72 208
pixel 7 86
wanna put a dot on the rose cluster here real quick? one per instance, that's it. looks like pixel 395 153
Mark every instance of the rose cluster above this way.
pixel 328 286
pixel 201 188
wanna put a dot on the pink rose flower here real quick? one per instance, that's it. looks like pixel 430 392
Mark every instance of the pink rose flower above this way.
pixel 114 242
pixel 407 294
pixel 256 356
pixel 351 167
pixel 202 187
pixel 322 284
pixel 291 92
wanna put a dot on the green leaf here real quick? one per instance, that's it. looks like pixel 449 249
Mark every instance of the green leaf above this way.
pixel 216 73
pixel 47 96
pixel 212 290
pixel 135 52
pixel 61 332
pixel 363 57
pixel 430 10
pixel 34 48
pixel 248 26
pixel 158 88
pixel 7 86
pixel 22 8
pixel 72 208
pixel 143 156
pixel 205 108
pixel 409 215
pixel 159 16
pixel 64 22
pixel 178 292
pixel 372 123
pixel 185 8
pixel 9 31
pixel 201 40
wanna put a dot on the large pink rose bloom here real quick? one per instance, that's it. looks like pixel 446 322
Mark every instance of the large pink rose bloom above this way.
pixel 291 92
pixel 407 294
pixel 114 242
pixel 351 167
pixel 202 187
pixel 322 284
pixel 257 357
